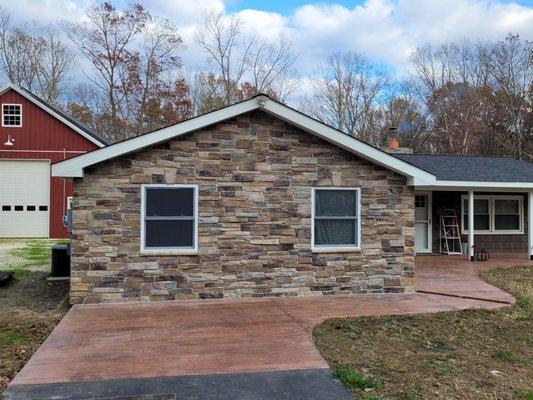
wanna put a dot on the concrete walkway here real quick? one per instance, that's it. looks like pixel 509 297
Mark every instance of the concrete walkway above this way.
pixel 456 276
pixel 190 339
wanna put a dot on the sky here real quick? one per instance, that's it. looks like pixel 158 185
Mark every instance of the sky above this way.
pixel 386 31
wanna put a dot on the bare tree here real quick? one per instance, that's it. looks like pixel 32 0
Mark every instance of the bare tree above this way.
pixel 57 62
pixel 451 79
pixel 401 109
pixel 244 63
pixel 346 90
pixel 227 47
pixel 33 57
pixel 510 63
pixel 270 62
pixel 477 95
pixel 152 83
pixel 103 39
pixel 135 65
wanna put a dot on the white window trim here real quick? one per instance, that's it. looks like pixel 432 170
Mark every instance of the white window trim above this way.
pixel 169 250
pixel 340 248
pixel 492 215
pixel 11 126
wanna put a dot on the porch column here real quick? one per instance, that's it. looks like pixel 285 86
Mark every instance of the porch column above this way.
pixel 530 225
pixel 471 225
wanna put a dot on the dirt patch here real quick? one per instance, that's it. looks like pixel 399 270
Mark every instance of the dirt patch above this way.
pixel 30 305
pixel 472 354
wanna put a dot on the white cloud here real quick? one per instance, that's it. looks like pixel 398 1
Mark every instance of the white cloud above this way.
pixel 388 31
pixel 182 12
pixel 267 24
pixel 45 11
pixel 385 30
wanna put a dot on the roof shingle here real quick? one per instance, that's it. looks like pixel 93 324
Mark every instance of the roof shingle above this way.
pixel 472 168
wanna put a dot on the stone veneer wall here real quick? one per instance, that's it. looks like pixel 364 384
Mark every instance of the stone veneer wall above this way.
pixel 255 175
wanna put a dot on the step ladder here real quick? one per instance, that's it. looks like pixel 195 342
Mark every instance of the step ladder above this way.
pixel 450 235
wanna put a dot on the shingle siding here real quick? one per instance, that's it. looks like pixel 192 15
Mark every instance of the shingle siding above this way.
pixel 492 242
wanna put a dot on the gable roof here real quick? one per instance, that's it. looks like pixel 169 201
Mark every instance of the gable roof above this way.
pixel 472 168
pixel 61 116
pixel 73 167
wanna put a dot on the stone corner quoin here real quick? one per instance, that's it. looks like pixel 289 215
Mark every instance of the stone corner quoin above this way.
pixel 255 174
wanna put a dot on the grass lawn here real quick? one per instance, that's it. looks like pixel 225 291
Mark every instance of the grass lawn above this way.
pixel 30 306
pixel 472 354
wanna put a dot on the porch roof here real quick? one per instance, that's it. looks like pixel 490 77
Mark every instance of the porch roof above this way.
pixel 474 171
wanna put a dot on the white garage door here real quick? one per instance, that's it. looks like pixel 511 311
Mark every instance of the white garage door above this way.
pixel 24 198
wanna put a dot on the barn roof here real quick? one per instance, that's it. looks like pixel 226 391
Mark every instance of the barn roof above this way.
pixel 75 125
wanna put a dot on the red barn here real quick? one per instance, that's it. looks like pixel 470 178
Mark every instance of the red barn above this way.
pixel 34 135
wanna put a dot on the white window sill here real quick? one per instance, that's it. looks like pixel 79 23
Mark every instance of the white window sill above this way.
pixel 494 232
pixel 335 249
pixel 169 252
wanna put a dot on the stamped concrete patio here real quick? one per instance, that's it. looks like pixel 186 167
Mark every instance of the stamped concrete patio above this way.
pixel 99 348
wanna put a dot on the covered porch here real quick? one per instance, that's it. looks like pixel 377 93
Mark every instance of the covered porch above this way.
pixel 501 220
pixel 487 202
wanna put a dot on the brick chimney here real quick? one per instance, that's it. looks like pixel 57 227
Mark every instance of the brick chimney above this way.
pixel 394 145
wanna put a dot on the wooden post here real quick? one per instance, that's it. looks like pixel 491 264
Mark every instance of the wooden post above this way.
pixel 471 225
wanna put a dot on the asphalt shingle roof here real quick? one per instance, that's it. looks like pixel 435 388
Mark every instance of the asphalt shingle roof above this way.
pixel 472 168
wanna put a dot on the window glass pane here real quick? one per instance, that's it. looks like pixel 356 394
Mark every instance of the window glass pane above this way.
pixel 420 201
pixel 421 209
pixel 169 202
pixel 481 206
pixel 338 203
pixel 506 206
pixel 481 222
pixel 169 233
pixel 507 222
pixel 335 232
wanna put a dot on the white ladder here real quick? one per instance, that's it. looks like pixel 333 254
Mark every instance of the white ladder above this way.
pixel 450 235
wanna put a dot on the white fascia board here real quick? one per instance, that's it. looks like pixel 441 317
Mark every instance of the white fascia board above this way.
pixel 52 113
pixel 347 142
pixel 475 185
pixel 73 167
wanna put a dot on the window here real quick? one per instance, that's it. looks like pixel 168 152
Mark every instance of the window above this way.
pixel 481 214
pixel 70 199
pixel 335 219
pixel 30 208
pixel 19 208
pixel 507 214
pixel 12 115
pixel 497 214
pixel 420 201
pixel 169 218
pixel 43 208
pixel 6 208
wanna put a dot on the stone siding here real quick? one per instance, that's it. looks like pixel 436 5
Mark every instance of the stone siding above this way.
pixel 255 175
